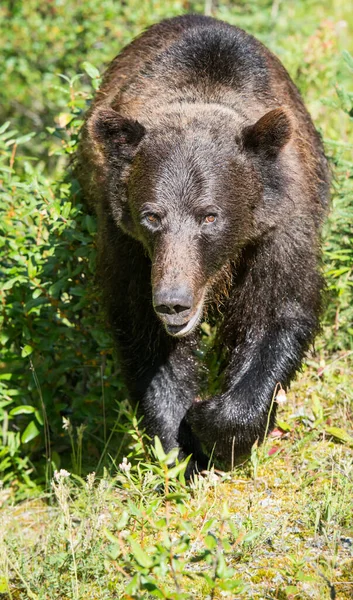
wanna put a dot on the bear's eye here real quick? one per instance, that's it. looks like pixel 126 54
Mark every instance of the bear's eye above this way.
pixel 210 219
pixel 151 219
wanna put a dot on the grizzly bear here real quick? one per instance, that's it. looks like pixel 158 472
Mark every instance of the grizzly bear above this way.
pixel 210 185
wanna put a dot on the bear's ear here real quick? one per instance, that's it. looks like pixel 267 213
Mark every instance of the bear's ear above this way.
pixel 269 134
pixel 114 132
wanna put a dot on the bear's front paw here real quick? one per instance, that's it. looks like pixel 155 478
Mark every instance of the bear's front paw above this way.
pixel 189 444
pixel 226 430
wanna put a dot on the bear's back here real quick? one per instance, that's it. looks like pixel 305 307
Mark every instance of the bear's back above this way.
pixel 215 53
pixel 188 58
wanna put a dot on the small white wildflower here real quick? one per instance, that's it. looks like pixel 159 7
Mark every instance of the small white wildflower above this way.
pixel 124 533
pixel 66 424
pixel 281 397
pixel 125 466
pixel 62 474
pixel 101 519
pixel 103 485
pixel 90 480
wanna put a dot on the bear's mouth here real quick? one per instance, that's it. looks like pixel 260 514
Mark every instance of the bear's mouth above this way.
pixel 187 327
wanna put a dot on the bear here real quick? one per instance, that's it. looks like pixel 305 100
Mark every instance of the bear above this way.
pixel 210 186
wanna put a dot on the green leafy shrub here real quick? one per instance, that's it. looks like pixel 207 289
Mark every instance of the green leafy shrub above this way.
pixel 56 358
pixel 339 236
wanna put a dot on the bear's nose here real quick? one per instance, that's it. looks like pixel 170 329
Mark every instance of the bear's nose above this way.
pixel 172 302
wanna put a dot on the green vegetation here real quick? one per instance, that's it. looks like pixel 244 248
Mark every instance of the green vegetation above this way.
pixel 281 525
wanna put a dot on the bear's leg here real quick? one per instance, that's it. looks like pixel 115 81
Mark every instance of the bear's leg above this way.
pixel 161 373
pixel 271 320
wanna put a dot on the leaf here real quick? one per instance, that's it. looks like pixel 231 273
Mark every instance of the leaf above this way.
pixel 227 547
pixel 175 471
pixel 222 569
pixel 90 223
pixel 36 293
pixel 4 126
pixel 208 525
pixel 291 589
pixel 158 450
pixel 6 376
pixel 140 555
pixel 231 585
pixel 25 138
pixel 58 559
pixel 133 585
pixel 39 417
pixel 151 586
pixel 30 432
pixel 26 350
pixel 113 551
pixel 123 520
pixel 208 579
pixel 56 287
pixel 284 426
pixel 340 434
pixel 171 457
pixel 348 58
pixel 251 536
pixel 7 285
pixel 25 409
pixel 110 536
pixel 210 541
pixel 176 496
pixel 3 585
pixel 91 70
pixel 317 407
pixel 303 577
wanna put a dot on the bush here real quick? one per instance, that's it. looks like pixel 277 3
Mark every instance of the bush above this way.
pixel 338 240
pixel 56 358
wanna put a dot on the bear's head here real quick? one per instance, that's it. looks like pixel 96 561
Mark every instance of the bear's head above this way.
pixel 194 189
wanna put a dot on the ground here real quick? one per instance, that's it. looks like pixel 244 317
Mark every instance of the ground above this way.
pixel 280 526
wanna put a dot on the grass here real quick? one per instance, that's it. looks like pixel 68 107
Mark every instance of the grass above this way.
pixel 117 521
pixel 280 526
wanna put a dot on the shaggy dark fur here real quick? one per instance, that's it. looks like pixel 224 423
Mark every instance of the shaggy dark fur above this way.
pixel 210 185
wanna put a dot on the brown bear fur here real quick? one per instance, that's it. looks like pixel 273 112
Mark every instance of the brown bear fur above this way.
pixel 210 185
